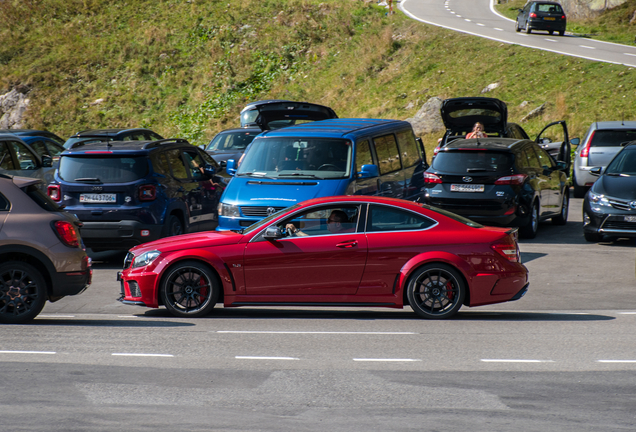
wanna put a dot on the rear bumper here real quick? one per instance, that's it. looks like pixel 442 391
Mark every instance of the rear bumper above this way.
pixel 73 283
pixel 540 24
pixel 118 235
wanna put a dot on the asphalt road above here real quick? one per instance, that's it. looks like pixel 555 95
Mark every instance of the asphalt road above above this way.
pixel 561 358
pixel 478 18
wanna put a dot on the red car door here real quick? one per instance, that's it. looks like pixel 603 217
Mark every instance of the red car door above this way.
pixel 320 265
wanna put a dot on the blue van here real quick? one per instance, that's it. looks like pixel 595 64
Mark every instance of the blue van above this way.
pixel 322 158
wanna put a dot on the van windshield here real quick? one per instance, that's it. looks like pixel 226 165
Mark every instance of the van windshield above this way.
pixel 319 158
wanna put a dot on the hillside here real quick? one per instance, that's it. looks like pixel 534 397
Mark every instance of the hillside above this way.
pixel 185 68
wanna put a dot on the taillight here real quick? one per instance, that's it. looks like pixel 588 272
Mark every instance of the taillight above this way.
pixel 436 150
pixel 508 248
pixel 533 15
pixel 54 192
pixel 585 151
pixel 430 178
pixel 517 179
pixel 66 232
pixel 563 17
pixel 147 192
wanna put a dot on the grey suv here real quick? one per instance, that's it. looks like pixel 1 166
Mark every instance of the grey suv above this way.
pixel 41 252
pixel 601 143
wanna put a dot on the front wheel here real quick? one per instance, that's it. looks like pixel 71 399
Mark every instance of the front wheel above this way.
pixel 436 291
pixel 190 289
pixel 22 292
pixel 529 230
pixel 562 218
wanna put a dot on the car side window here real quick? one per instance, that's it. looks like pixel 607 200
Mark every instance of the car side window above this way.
pixel 40 148
pixel 160 163
pixel 26 159
pixel 521 159
pixel 408 148
pixel 533 160
pixel 363 155
pixel 387 218
pixel 54 150
pixel 545 161
pixel 388 153
pixel 195 164
pixel 6 161
pixel 327 220
pixel 4 203
pixel 150 136
pixel 179 170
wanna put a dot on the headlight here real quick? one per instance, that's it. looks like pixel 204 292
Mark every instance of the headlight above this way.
pixel 599 200
pixel 145 258
pixel 229 210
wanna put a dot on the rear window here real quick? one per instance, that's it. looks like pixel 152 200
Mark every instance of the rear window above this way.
pixel 478 112
pixel 41 199
pixel 549 8
pixel 612 138
pixel 231 141
pixel 454 216
pixel 472 161
pixel 110 169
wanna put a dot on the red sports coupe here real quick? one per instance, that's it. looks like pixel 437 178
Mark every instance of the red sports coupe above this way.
pixel 333 251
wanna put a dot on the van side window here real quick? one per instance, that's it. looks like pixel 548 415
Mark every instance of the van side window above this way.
pixel 363 155
pixel 408 148
pixel 388 153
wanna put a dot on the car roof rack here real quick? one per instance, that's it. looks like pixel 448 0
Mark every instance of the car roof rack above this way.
pixel 89 141
pixel 158 143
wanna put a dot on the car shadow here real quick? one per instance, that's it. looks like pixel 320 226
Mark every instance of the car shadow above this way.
pixel 44 321
pixel 530 256
pixel 108 260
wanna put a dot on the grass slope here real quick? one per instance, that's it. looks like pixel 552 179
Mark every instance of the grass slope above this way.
pixel 186 67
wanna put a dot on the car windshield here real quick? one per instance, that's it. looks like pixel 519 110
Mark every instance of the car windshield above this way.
pixel 472 161
pixel 238 140
pixel 111 169
pixel 612 138
pixel 319 158
pixel 623 164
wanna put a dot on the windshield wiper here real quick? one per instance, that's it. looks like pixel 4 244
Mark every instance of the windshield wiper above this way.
pixel 298 175
pixel 88 180
pixel 259 175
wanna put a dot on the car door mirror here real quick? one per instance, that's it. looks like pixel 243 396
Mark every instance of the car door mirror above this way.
pixel 369 171
pixel 596 171
pixel 47 161
pixel 273 232
pixel 575 141
pixel 230 168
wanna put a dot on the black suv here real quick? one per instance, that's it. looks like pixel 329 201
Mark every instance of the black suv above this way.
pixel 134 134
pixel 499 181
pixel 130 192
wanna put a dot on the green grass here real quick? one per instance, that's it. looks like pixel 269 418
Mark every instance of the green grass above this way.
pixel 186 68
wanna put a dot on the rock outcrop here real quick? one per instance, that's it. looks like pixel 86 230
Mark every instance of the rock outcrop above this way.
pixel 428 119
pixel 13 105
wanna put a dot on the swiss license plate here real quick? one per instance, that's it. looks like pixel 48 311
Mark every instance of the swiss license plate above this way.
pixel 98 198
pixel 630 218
pixel 549 18
pixel 467 188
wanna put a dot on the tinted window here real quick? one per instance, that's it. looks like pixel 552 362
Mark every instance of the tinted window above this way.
pixel 41 199
pixel 325 220
pixel 109 169
pixel 549 8
pixel 472 161
pixel 388 154
pixel 363 155
pixel 179 170
pixel 26 159
pixel 408 148
pixel 521 159
pixel 195 164
pixel 544 159
pixel 160 164
pixel 385 218
pixel 454 216
pixel 533 160
pixel 623 163
pixel 39 147
pixel 612 138
pixel 6 161
pixel 231 141
pixel 4 203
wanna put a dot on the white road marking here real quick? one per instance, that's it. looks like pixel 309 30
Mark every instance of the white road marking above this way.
pixel 481 25
pixel 628 313
pixel 265 358
pixel 498 29
pixel 515 361
pixel 550 40
pixel 127 316
pixel 142 355
pixel 312 332
pixel 630 54
pixel 55 316
pixel 385 360
pixel 467 20
pixel 616 361
pixel 587 47
pixel 28 352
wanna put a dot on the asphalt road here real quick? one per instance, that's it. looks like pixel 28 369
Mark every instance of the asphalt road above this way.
pixel 478 18
pixel 561 358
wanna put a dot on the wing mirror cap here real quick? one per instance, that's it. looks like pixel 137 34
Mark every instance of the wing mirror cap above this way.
pixel 273 232
pixel 369 171
pixel 230 167
pixel 596 171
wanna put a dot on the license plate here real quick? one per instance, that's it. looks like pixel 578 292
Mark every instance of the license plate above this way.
pixel 98 198
pixel 630 218
pixel 467 188
pixel 549 19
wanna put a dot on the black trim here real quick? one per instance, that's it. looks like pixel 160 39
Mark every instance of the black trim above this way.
pixel 285 183
pixel 130 302
pixel 521 293
pixel 231 276
pixel 397 277
pixel 310 304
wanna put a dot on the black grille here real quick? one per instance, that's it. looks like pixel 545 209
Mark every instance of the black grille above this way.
pixel 134 289
pixel 611 225
pixel 620 205
pixel 259 211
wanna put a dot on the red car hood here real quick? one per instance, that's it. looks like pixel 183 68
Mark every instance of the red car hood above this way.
pixel 189 241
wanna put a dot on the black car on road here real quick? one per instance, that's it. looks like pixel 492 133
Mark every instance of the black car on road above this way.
pixel 499 181
pixel 541 15
pixel 609 208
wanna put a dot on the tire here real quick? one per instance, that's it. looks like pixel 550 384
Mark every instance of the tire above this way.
pixel 550 32
pixel 190 289
pixel 561 33
pixel 527 28
pixel 529 230
pixel 579 191
pixel 593 237
pixel 173 226
pixel 517 29
pixel 22 292
pixel 436 291
pixel 562 218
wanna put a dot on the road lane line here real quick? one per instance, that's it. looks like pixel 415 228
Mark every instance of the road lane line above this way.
pixel 587 47
pixel 630 54
pixel 141 355
pixel 627 313
pixel 28 352
pixel 265 358
pixel 498 29
pixel 550 40
pixel 481 25
pixel 616 361
pixel 515 361
pixel 312 332
pixel 55 316
pixel 385 360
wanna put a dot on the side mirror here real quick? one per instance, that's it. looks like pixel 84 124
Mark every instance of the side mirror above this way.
pixel 273 232
pixel 230 167
pixel 369 171
pixel 575 141
pixel 47 161
pixel 596 171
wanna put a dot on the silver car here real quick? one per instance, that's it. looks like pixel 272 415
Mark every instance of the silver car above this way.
pixel 41 252
pixel 601 143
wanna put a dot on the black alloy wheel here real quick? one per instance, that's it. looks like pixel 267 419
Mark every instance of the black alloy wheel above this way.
pixel 530 229
pixel 190 289
pixel 22 292
pixel 562 218
pixel 436 291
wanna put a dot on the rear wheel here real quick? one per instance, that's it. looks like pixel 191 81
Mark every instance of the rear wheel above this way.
pixel 173 226
pixel 189 289
pixel 517 29
pixel 436 291
pixel 561 33
pixel 529 230
pixel 527 28
pixel 22 292
pixel 562 218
